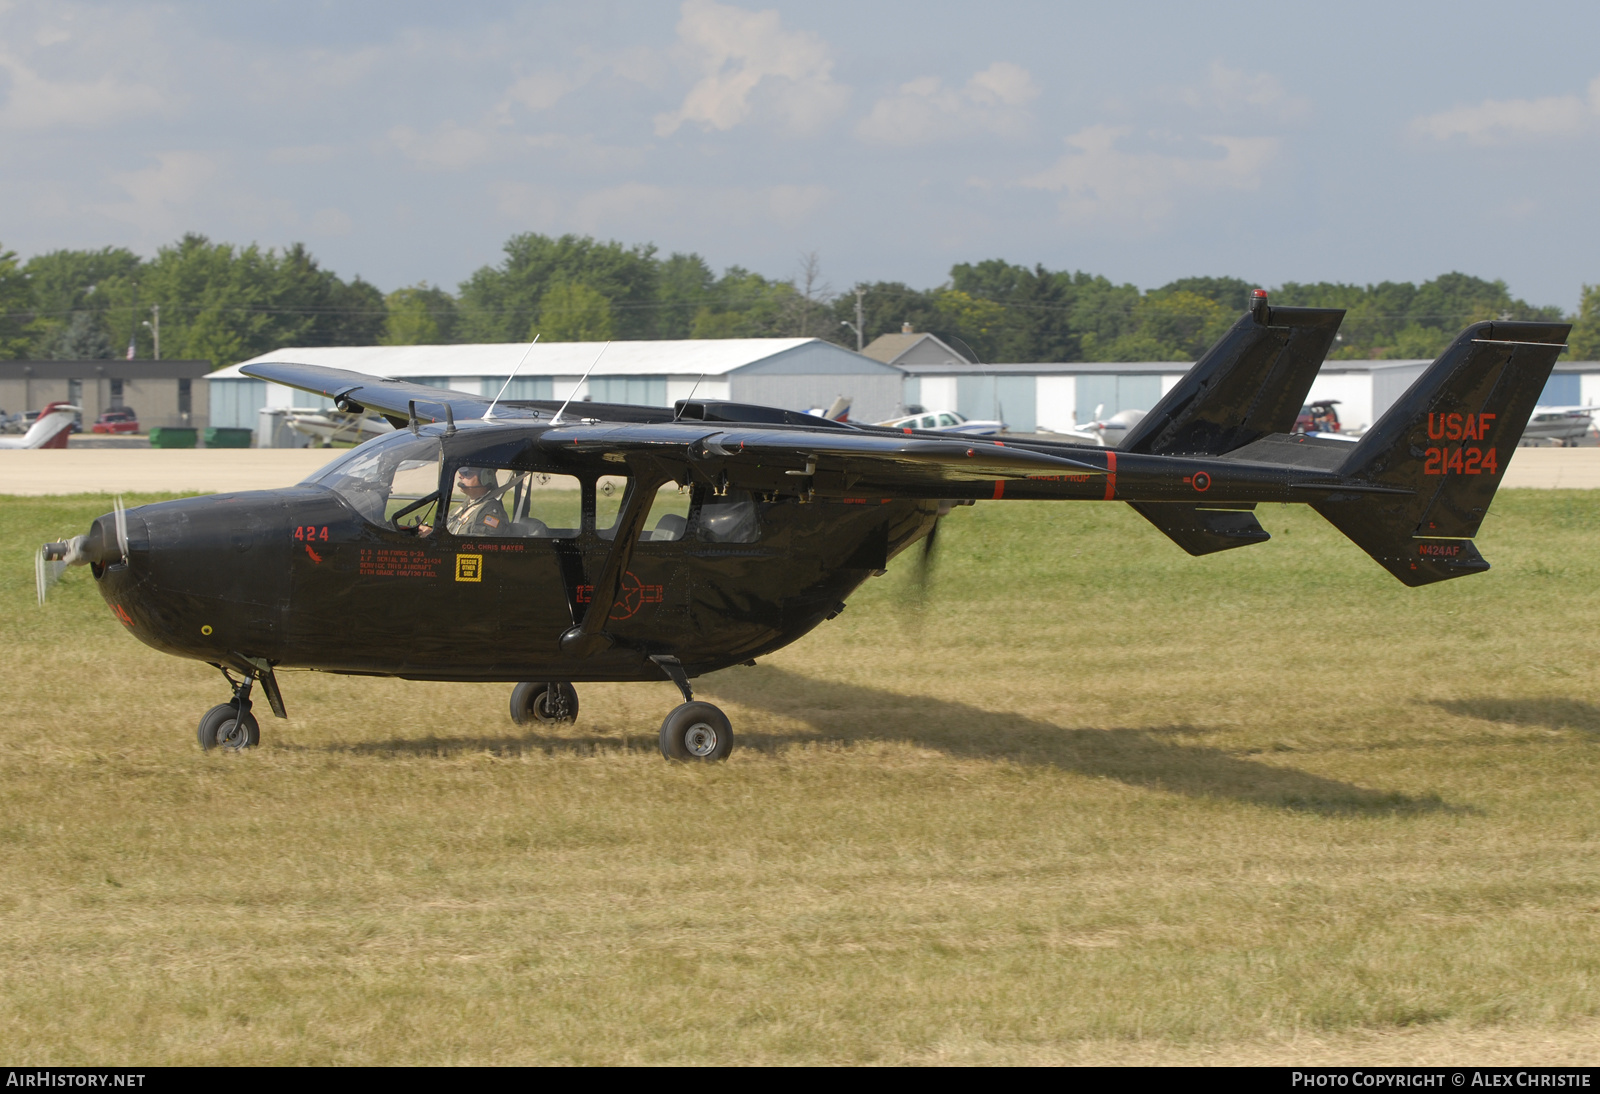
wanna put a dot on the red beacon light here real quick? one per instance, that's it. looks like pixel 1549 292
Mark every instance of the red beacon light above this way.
pixel 1258 305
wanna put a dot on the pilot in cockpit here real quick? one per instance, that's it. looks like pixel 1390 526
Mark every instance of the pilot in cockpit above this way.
pixel 479 512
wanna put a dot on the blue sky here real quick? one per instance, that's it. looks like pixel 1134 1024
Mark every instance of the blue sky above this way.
pixel 408 141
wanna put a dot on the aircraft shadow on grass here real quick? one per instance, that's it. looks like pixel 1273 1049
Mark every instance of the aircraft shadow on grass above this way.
pixel 1549 713
pixel 842 713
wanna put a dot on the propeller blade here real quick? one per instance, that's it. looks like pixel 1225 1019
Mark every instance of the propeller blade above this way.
pixel 925 560
pixel 46 572
pixel 122 526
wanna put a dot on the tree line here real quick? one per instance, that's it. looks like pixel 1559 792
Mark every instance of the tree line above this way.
pixel 227 303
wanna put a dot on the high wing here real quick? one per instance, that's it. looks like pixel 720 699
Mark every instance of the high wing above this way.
pixel 776 452
pixel 830 461
pixel 394 399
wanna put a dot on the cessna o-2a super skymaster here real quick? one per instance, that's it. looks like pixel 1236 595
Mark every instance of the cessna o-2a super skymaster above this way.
pixel 522 543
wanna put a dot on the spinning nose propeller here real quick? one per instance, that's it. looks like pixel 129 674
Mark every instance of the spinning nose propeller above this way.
pixel 52 559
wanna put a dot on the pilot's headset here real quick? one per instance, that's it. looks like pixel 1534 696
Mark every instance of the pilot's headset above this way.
pixel 486 476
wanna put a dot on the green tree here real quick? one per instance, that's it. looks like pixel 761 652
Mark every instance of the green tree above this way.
pixel 68 284
pixel 685 286
pixel 571 312
pixel 746 305
pixel 1231 293
pixel 886 306
pixel 227 303
pixel 1585 340
pixel 500 303
pixel 422 315
pixel 82 338
pixel 16 308
pixel 973 325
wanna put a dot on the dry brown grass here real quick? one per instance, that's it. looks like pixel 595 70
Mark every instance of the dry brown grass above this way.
pixel 1096 802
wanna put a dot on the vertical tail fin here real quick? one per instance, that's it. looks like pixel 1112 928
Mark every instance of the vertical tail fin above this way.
pixel 1446 443
pixel 1252 382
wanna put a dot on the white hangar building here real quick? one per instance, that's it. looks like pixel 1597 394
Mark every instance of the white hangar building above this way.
pixel 1055 396
pixel 794 373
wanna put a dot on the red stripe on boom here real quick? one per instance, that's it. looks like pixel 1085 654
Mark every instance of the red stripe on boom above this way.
pixel 999 489
pixel 1111 475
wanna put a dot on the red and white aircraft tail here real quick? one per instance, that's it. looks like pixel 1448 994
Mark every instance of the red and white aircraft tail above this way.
pixel 50 430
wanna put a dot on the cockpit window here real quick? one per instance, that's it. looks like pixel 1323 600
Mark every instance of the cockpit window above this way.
pixel 505 501
pixel 387 476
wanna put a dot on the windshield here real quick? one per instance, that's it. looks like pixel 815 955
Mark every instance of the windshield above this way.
pixel 386 475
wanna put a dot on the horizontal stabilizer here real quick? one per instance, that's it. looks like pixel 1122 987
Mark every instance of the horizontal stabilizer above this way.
pixel 1204 531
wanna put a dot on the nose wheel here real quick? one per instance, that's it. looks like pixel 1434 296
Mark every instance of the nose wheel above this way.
pixel 542 703
pixel 225 727
pixel 232 726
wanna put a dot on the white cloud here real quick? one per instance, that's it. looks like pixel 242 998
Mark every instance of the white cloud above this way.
pixel 750 65
pixel 332 222
pixel 541 90
pixel 924 110
pixel 33 101
pixel 449 147
pixel 1231 90
pixel 1099 181
pixel 160 199
pixel 652 208
pixel 1496 120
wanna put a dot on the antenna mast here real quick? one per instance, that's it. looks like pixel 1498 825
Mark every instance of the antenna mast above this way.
pixel 557 419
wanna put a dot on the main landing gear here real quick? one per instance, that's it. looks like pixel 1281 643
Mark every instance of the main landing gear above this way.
pixel 693 731
pixel 232 726
pixel 540 703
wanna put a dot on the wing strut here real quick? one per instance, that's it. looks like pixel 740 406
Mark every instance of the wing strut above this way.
pixel 588 637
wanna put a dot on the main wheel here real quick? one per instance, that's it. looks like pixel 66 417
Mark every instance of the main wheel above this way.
pixel 536 703
pixel 222 727
pixel 696 731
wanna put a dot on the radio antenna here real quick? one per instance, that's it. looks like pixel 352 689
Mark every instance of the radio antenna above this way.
pixel 557 419
pixel 685 404
pixel 488 414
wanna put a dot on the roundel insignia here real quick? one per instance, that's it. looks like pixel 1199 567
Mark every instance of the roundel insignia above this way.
pixel 1201 481
pixel 634 595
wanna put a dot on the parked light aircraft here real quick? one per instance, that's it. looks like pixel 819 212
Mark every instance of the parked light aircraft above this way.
pixel 50 430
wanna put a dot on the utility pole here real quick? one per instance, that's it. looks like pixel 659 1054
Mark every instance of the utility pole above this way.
pixel 861 323
pixel 155 328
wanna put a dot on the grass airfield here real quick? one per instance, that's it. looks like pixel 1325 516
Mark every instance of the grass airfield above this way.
pixel 1093 801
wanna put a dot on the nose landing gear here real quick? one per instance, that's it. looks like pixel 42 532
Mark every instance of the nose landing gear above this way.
pixel 231 726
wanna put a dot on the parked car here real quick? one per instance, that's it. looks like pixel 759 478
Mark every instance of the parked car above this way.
pixel 116 420
pixel 1320 417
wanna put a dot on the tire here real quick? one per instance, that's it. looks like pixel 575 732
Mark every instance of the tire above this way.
pixel 696 733
pixel 530 704
pixel 221 727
